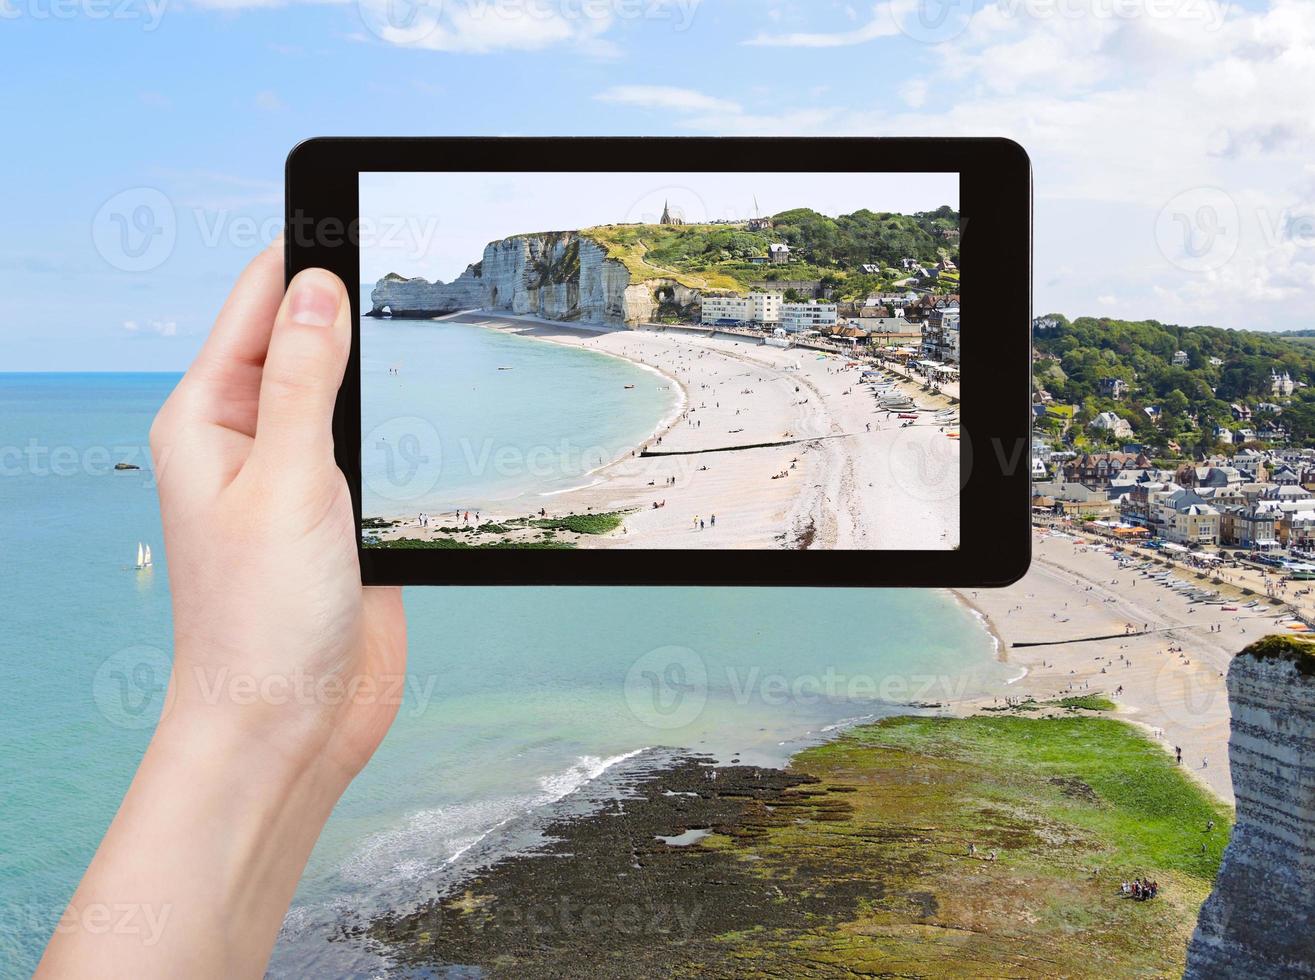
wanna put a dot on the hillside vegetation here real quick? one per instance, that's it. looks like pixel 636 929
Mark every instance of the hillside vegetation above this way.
pixel 824 248
pixel 1074 358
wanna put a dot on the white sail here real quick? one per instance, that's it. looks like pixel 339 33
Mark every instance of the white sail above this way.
pixel 140 554
pixel 147 562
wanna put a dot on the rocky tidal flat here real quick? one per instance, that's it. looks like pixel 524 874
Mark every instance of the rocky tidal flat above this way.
pixel 915 846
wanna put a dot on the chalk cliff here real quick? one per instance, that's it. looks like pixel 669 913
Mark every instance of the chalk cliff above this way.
pixel 1259 922
pixel 556 275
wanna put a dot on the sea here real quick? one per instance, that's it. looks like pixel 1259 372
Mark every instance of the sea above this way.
pixel 456 416
pixel 519 701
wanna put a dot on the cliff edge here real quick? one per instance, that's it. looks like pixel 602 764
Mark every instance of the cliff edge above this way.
pixel 563 275
pixel 1259 921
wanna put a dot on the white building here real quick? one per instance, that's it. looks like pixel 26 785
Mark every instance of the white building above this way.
pixel 758 307
pixel 1109 422
pixel 799 317
pixel 1180 358
pixel 940 336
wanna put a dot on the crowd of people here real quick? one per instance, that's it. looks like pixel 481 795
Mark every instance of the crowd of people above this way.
pixel 1141 889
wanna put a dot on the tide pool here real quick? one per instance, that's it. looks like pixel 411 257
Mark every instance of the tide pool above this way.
pixel 515 696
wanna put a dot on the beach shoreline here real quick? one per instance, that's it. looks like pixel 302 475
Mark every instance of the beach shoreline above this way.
pixel 1167 676
pixel 778 449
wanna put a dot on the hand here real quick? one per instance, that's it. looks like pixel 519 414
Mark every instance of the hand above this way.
pixel 287 673
pixel 260 535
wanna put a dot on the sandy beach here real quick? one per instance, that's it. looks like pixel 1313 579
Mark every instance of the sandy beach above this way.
pixel 1169 680
pixel 842 474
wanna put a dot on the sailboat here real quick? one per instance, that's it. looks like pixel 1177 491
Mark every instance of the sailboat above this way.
pixel 143 556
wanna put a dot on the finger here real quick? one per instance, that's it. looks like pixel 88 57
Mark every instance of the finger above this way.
pixel 303 370
pixel 223 384
pixel 203 432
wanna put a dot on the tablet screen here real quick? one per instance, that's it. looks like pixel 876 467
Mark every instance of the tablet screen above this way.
pixel 660 360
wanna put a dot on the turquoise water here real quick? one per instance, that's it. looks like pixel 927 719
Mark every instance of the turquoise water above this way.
pixel 517 695
pixel 473 416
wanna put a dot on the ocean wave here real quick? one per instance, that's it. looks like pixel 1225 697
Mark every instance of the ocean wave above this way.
pixel 584 769
pixel 434 839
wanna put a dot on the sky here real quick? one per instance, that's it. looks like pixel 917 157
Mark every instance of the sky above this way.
pixel 1172 140
pixel 436 224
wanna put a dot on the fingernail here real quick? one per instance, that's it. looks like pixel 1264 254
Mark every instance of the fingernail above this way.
pixel 314 301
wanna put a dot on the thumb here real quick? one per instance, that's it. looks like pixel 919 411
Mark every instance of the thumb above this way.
pixel 303 369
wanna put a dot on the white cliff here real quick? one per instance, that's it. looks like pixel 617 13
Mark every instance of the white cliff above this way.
pixel 555 275
pixel 1259 922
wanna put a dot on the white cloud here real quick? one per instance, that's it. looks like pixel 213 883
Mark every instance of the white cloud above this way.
pixel 268 101
pixel 666 97
pixel 882 24
pixel 487 26
pixel 159 328
pixel 914 93
pixel 1121 114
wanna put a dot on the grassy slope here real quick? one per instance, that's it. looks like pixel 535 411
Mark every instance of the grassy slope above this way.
pixel 1073 806
pixel 714 257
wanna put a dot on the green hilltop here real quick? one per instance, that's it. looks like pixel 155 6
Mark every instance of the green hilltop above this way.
pixel 717 256
pixel 1077 361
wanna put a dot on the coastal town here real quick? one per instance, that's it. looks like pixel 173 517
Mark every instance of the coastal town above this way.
pixel 1174 522
pixel 810 359
pixel 1236 491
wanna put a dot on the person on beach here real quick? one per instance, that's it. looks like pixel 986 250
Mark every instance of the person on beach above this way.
pixel 232 792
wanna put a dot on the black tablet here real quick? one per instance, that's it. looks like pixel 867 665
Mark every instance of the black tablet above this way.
pixel 636 361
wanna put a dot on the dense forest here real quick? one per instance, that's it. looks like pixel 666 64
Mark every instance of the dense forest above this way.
pixel 1075 361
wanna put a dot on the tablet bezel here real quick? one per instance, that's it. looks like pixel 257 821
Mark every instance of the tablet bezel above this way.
pixel 321 211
